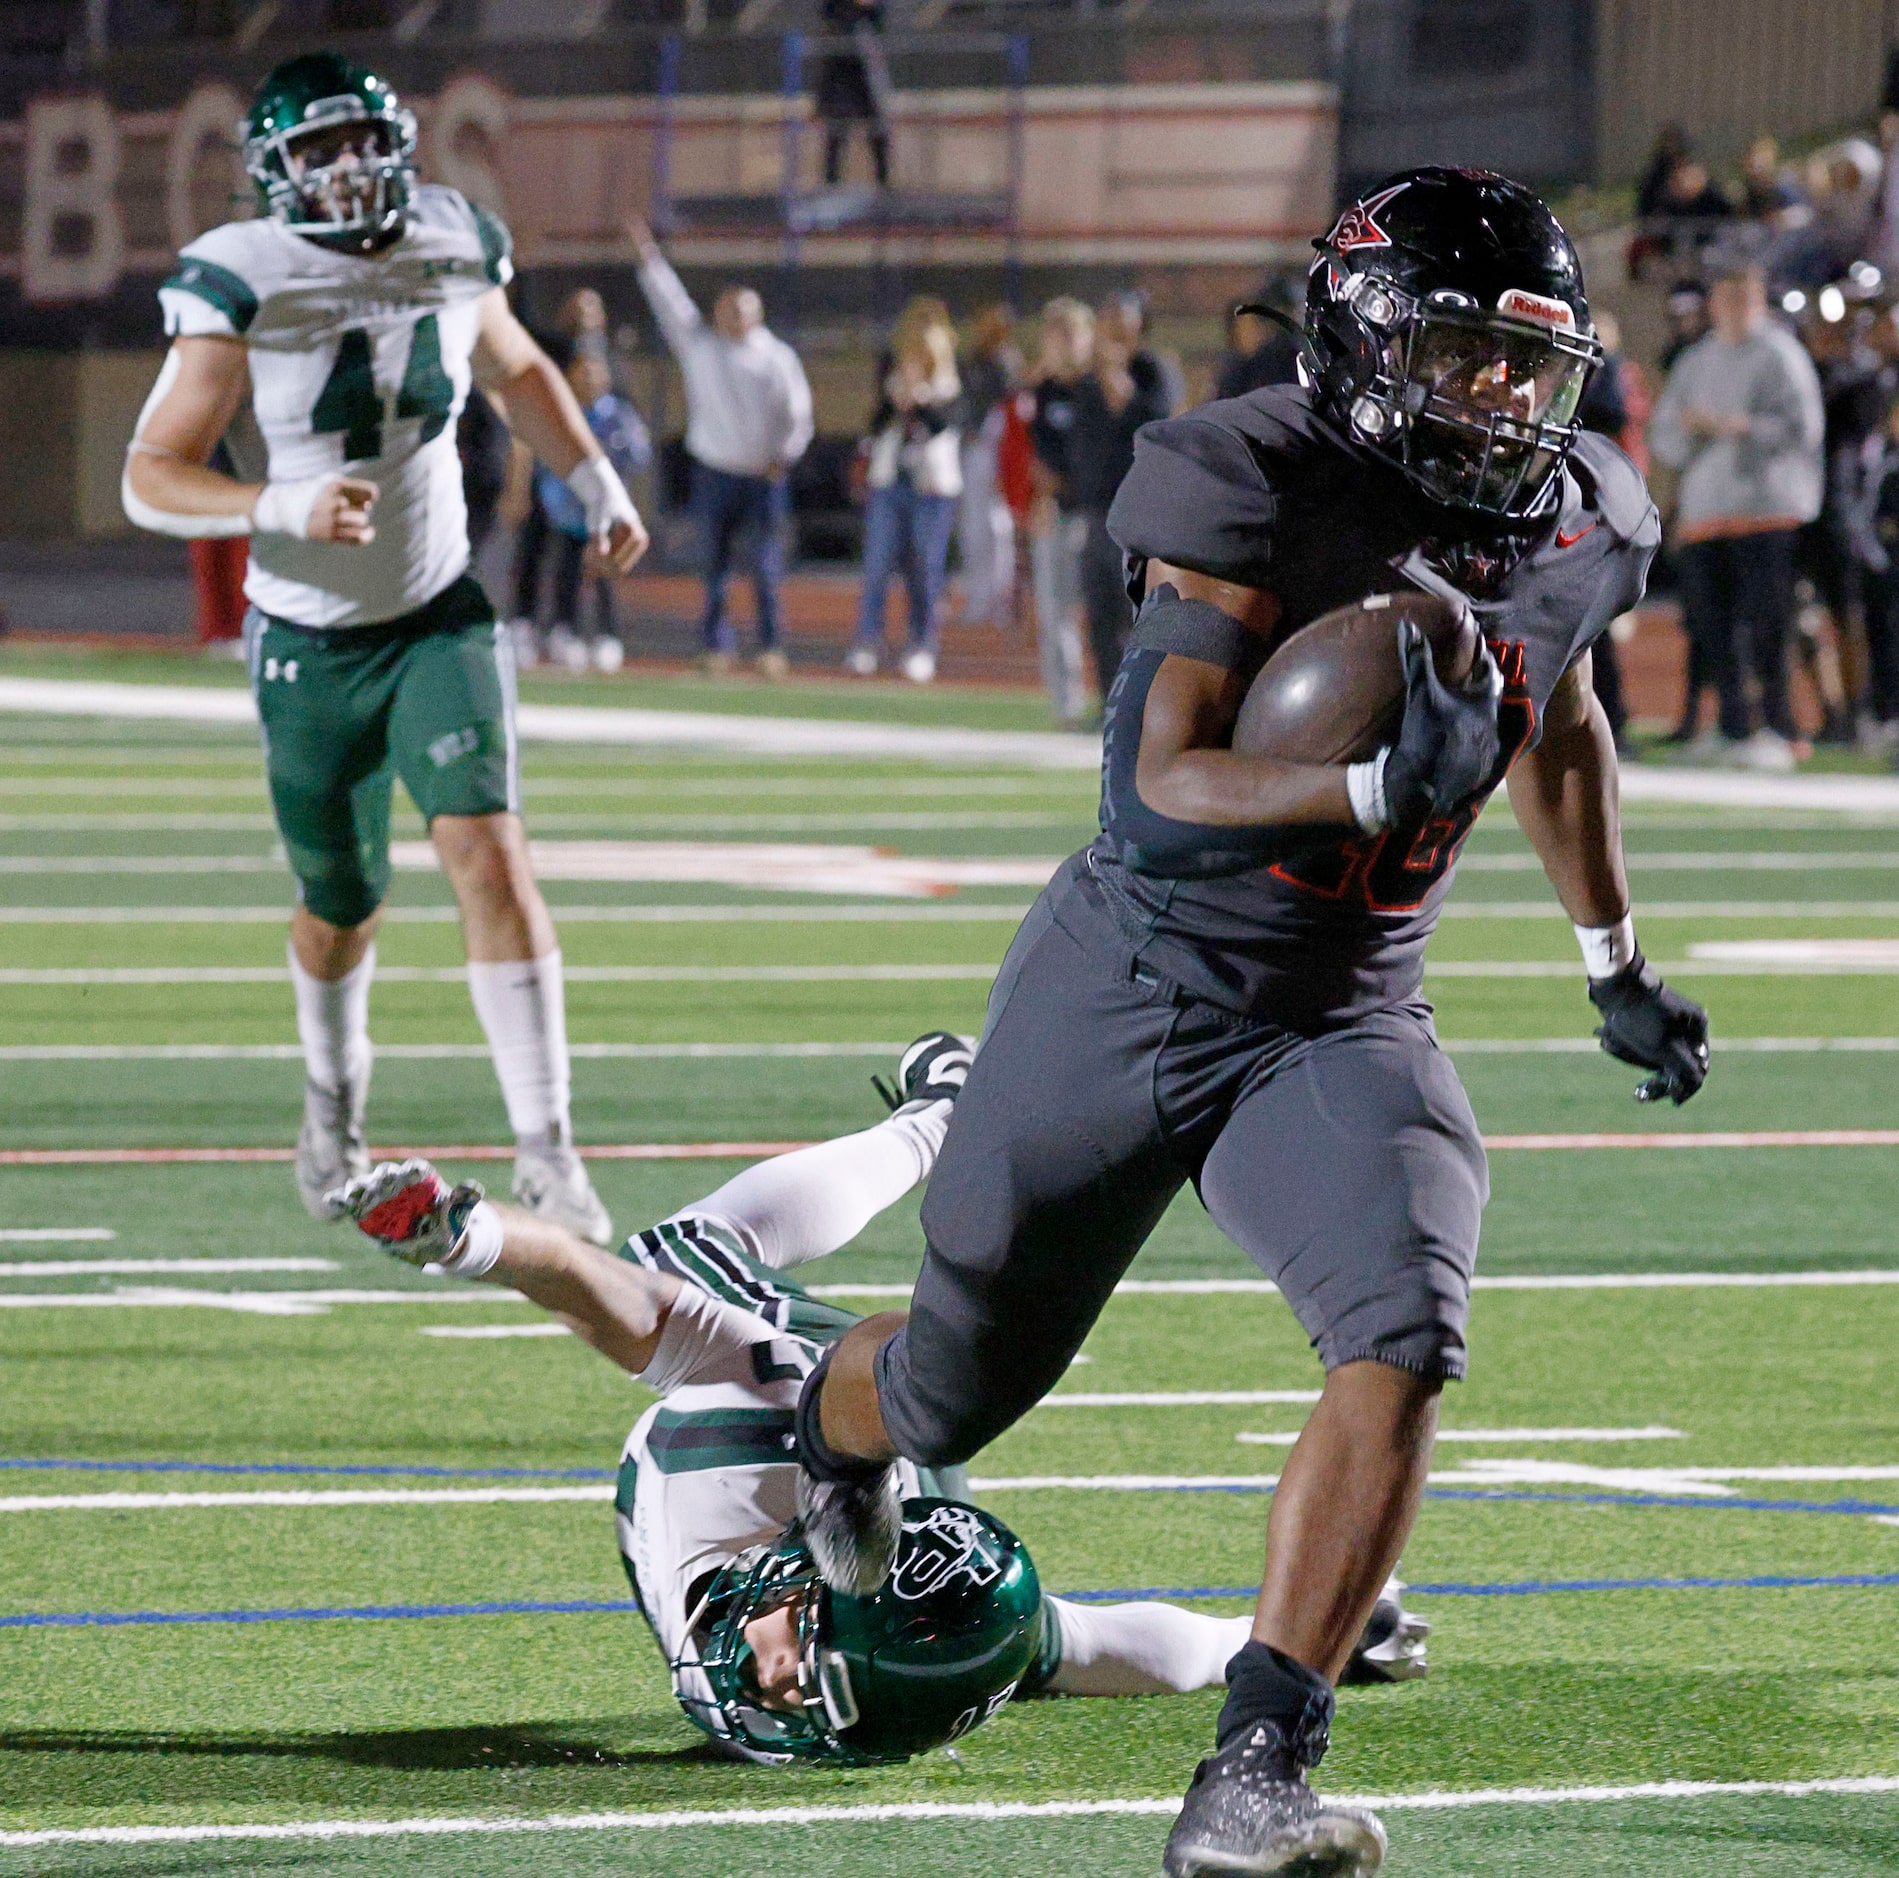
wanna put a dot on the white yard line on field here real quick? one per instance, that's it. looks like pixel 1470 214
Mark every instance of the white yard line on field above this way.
pixel 960 912
pixel 50 1235
pixel 1184 1398
pixel 1598 1435
pixel 126 1268
pixel 984 1812
pixel 245 1303
pixel 296 1496
pixel 1709 861
pixel 458 975
pixel 1539 1281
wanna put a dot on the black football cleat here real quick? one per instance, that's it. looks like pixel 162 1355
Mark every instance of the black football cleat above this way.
pixel 933 1069
pixel 852 1529
pixel 1250 1814
pixel 1392 1647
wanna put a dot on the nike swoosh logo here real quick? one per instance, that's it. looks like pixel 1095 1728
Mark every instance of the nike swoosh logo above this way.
pixel 1569 541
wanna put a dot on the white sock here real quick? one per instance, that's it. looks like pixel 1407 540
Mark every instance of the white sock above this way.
pixel 333 1022
pixel 523 1009
pixel 1143 1649
pixel 802 1205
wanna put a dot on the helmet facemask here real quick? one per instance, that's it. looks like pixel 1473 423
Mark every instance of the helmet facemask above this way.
pixel 752 1586
pixel 1477 406
pixel 344 176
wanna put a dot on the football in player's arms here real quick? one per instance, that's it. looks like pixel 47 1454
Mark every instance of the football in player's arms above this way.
pixel 771 1664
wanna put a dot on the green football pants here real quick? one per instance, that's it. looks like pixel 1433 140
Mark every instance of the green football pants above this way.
pixel 429 697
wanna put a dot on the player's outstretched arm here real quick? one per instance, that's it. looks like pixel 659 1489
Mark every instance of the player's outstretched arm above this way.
pixel 545 415
pixel 169 488
pixel 412 1212
pixel 1565 794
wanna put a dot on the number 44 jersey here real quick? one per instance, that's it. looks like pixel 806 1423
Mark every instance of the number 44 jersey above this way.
pixel 359 364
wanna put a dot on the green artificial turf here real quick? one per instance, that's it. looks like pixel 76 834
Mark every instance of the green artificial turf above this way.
pixel 541 1714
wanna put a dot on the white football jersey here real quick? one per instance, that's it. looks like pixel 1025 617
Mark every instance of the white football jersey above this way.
pixel 359 363
pixel 711 1471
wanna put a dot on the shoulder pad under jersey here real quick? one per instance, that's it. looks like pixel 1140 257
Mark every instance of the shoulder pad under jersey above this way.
pixel 222 278
pixel 1614 488
pixel 440 210
pixel 1205 488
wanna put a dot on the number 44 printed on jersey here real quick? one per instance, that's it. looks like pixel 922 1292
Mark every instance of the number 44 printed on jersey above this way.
pixel 1395 872
pixel 351 403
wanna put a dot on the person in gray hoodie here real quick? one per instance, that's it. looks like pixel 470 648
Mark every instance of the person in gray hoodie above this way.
pixel 1741 419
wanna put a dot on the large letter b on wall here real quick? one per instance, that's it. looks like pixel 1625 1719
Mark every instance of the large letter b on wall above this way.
pixel 74 238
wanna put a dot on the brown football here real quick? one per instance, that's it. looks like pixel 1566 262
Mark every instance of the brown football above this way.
pixel 1334 692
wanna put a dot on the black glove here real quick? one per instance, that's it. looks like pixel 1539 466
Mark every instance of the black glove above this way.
pixel 1646 1024
pixel 1447 749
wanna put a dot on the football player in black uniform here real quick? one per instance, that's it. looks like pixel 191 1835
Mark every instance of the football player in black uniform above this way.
pixel 1225 987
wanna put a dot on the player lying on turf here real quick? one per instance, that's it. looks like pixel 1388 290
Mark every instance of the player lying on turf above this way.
pixel 336 335
pixel 769 1663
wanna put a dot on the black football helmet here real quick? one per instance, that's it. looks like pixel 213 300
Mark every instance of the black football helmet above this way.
pixel 1446 327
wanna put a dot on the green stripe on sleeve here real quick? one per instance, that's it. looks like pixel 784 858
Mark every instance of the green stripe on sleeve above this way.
pixel 692 1441
pixel 497 245
pixel 216 286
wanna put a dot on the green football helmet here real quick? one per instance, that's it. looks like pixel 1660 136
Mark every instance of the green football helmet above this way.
pixel 332 152
pixel 932 1655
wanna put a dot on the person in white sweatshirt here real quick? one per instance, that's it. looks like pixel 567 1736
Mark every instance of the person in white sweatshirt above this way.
pixel 1741 418
pixel 748 420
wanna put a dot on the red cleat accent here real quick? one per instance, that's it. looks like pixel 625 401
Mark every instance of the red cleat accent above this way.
pixel 398 1218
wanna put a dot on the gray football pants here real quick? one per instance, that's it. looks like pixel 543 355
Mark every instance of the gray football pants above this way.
pixel 1346 1165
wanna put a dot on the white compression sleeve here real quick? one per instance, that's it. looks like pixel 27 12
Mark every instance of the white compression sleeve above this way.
pixel 333 1023
pixel 704 1340
pixel 523 1009
pixel 1143 1649
pixel 801 1205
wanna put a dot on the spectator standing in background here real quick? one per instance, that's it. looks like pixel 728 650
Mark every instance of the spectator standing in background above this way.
pixel 854 88
pixel 580 327
pixel 1110 404
pixel 748 419
pixel 1258 353
pixel 985 524
pixel 913 477
pixel 1876 554
pixel 1122 321
pixel 1741 419
pixel 1056 535
pixel 623 437
pixel 1687 316
pixel 1768 192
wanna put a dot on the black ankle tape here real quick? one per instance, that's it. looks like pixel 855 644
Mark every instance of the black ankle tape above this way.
pixel 1266 1685
pixel 819 1459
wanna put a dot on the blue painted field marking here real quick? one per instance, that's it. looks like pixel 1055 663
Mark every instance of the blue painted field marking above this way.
pixel 592 1607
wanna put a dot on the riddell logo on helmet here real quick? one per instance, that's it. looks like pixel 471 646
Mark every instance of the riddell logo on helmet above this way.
pixel 1358 226
pixel 1519 304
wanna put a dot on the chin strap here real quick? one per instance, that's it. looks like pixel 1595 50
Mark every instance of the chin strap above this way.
pixel 1308 353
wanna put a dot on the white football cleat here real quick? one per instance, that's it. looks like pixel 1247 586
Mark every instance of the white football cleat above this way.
pixel 550 1181
pixel 526 642
pixel 566 648
pixel 919 665
pixel 331 1150
pixel 861 662
pixel 607 653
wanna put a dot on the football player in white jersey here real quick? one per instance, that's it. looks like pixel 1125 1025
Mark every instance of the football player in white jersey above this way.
pixel 769 1663
pixel 339 333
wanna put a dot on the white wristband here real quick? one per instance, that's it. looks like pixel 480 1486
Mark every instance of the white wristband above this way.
pixel 602 495
pixel 479 1248
pixel 285 508
pixel 1365 785
pixel 1607 950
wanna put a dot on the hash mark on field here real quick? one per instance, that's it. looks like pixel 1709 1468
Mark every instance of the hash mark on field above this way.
pixel 984 1811
pixel 495 1330
pixel 297 1496
pixel 1186 1398
pixel 50 1235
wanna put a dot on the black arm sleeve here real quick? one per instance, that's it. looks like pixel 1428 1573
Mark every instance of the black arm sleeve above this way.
pixel 1143 839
